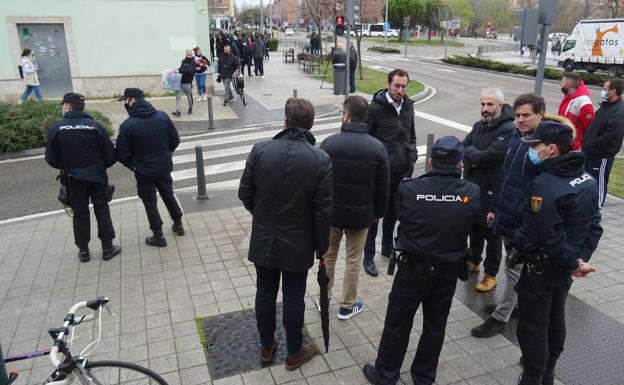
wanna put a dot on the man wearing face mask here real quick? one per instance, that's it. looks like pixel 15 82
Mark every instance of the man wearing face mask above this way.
pixel 576 106
pixel 604 136
pixel 145 144
pixel 187 69
pixel 560 231
pixel 390 120
pixel 484 151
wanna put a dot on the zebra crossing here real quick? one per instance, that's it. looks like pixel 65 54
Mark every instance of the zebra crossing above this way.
pixel 225 152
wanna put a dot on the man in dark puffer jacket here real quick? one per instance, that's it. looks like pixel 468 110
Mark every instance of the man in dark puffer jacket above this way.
pixel 361 182
pixel 485 148
pixel 390 120
pixel 287 187
pixel 145 145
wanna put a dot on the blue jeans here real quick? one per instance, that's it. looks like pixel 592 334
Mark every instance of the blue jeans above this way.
pixel 200 80
pixel 293 289
pixel 28 90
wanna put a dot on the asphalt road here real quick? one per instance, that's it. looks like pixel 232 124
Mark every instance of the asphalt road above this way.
pixel 29 186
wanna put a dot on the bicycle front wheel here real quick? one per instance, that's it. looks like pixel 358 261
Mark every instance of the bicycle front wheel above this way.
pixel 121 373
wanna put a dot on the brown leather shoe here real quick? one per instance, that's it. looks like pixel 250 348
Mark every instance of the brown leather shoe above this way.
pixel 487 283
pixel 473 267
pixel 305 354
pixel 267 355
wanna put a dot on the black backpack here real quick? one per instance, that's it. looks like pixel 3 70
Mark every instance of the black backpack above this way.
pixel 21 72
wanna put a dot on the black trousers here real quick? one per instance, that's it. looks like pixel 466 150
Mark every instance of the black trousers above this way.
pixel 259 66
pixel 541 319
pixel 80 191
pixel 293 291
pixel 493 250
pixel 146 188
pixel 387 228
pixel 435 291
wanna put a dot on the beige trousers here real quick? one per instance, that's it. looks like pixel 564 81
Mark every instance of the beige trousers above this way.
pixel 356 239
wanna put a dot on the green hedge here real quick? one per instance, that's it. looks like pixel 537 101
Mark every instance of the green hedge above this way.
pixel 549 73
pixel 273 44
pixel 384 50
pixel 24 126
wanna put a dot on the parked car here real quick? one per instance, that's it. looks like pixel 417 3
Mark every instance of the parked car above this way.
pixel 289 32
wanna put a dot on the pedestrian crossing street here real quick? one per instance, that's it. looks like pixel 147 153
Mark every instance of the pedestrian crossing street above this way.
pixel 225 152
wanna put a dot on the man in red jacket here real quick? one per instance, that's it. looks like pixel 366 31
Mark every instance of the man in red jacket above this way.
pixel 576 106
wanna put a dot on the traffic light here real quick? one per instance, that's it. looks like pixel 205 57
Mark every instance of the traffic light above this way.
pixel 339 25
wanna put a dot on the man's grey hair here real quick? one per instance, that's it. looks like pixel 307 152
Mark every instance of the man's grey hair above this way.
pixel 497 92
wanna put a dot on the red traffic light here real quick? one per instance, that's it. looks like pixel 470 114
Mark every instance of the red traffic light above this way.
pixel 340 20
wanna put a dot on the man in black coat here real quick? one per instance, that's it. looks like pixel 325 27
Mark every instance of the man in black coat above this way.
pixel 146 142
pixel 361 182
pixel 437 212
pixel 187 69
pixel 603 139
pixel 485 149
pixel 79 146
pixel 390 119
pixel 228 65
pixel 287 187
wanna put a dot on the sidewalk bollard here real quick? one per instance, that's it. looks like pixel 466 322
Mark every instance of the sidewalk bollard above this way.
pixel 295 93
pixel 211 125
pixel 201 176
pixel 428 157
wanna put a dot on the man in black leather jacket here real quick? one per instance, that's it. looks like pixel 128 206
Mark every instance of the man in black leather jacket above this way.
pixel 146 142
pixel 485 149
pixel 560 231
pixel 436 213
pixel 80 147
pixel 287 187
pixel 390 120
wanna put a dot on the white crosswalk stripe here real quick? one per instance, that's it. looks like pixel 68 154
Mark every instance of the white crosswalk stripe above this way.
pixel 226 152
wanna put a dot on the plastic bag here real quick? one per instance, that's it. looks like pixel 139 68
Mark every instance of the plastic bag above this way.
pixel 171 80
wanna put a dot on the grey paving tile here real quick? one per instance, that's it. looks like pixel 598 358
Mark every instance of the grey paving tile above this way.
pixel 258 377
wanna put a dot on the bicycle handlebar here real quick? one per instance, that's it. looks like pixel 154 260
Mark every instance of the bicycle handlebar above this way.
pixel 70 320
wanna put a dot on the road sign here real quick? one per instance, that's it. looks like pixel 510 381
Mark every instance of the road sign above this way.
pixel 386 26
pixel 456 23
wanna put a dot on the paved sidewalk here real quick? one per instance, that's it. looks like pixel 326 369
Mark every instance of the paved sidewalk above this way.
pixel 265 96
pixel 158 293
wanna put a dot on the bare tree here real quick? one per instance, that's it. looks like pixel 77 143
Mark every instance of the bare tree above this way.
pixel 319 10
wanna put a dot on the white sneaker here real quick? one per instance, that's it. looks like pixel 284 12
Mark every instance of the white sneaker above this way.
pixel 205 98
pixel 199 99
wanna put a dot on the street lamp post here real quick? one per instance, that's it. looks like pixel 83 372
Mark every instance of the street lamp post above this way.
pixel 385 31
pixel 261 17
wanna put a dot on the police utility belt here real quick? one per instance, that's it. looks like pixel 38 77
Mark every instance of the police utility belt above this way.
pixel 536 263
pixel 422 263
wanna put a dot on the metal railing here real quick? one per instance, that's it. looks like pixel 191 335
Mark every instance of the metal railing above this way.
pixel 492 48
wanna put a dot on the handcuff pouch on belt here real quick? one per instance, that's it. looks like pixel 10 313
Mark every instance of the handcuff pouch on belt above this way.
pixel 536 262
pixel 415 264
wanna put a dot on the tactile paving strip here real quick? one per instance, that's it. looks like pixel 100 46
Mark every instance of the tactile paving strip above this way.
pixel 233 344
pixel 594 347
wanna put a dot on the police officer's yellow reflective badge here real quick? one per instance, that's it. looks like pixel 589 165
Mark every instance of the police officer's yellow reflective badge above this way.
pixel 536 204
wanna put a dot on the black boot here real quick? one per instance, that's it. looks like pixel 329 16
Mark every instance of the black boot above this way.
pixel 178 228
pixel 526 380
pixel 548 379
pixel 83 254
pixel 157 239
pixel 109 250
pixel 190 111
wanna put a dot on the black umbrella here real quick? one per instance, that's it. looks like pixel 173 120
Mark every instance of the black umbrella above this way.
pixel 323 281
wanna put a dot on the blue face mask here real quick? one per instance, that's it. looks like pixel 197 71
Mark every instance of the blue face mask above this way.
pixel 603 95
pixel 533 156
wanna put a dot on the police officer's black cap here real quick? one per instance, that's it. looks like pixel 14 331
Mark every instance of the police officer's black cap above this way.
pixel 551 132
pixel 448 150
pixel 131 93
pixel 73 98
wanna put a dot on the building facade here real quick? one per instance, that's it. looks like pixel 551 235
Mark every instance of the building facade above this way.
pixel 98 47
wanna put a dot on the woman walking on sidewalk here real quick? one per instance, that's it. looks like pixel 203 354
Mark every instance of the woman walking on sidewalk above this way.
pixel 201 71
pixel 29 70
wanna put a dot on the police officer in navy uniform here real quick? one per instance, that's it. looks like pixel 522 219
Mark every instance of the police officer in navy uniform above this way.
pixel 436 212
pixel 560 231
pixel 146 142
pixel 80 147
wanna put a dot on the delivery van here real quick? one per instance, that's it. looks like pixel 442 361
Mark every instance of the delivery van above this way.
pixel 595 45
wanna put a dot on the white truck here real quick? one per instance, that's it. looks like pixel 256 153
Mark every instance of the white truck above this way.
pixel 595 45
